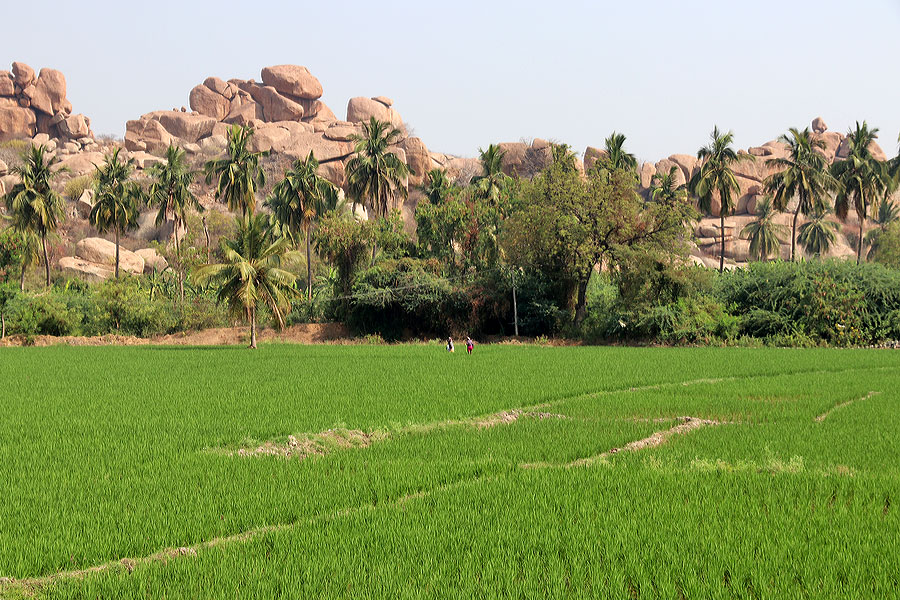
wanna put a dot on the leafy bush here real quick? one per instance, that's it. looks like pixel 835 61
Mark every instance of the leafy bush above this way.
pixel 127 309
pixel 42 315
pixel 836 302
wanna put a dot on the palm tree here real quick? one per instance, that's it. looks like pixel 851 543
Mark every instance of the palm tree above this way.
pixel 490 184
pixel 616 155
pixel 715 177
pixel 299 200
pixel 238 175
pixel 376 175
pixel 804 175
pixel 171 190
pixel 252 274
pixel 34 206
pixel 663 188
pixel 764 232
pixel 864 180
pixel 116 198
pixel 817 234
pixel 437 187
pixel 888 212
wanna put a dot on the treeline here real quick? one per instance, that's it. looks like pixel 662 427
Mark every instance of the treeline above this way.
pixel 566 253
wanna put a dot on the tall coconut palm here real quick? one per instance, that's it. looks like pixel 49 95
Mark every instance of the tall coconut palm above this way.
pixel 715 178
pixel 818 234
pixel 171 191
pixel 764 232
pixel 238 175
pixel 616 155
pixel 376 176
pixel 664 189
pixel 116 198
pixel 251 274
pixel 864 180
pixel 437 187
pixel 803 175
pixel 299 200
pixel 33 205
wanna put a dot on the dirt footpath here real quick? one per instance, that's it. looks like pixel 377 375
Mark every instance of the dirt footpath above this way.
pixel 306 333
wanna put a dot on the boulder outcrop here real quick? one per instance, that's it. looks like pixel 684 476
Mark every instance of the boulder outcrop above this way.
pixel 101 254
pixel 32 104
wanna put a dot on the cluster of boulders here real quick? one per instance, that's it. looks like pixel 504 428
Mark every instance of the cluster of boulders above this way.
pixel 36 104
pixel 95 260
pixel 288 117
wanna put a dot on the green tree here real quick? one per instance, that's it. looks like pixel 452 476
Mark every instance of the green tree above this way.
pixel 818 234
pixel 440 222
pixel 252 274
pixel 804 175
pixel 18 250
pixel 238 175
pixel 864 180
pixel 715 179
pixel 568 225
pixel 34 206
pixel 375 175
pixel 171 191
pixel 299 200
pixel 437 186
pixel 344 242
pixel 888 212
pixel 8 294
pixel 764 232
pixel 663 188
pixel 116 198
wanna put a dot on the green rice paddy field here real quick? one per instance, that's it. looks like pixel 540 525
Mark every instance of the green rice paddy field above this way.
pixel 405 472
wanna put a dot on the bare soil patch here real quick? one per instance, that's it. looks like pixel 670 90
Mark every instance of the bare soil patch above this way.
pixel 313 444
pixel 304 333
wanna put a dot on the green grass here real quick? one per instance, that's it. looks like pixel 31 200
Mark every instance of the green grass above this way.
pixel 125 453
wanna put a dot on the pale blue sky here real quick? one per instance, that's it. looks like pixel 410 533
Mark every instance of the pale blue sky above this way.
pixel 467 73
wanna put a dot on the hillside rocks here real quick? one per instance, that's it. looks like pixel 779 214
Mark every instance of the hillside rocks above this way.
pixel 31 104
pixel 286 114
pixel 95 258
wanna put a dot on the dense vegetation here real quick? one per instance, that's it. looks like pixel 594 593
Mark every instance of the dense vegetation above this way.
pixel 424 481
pixel 566 253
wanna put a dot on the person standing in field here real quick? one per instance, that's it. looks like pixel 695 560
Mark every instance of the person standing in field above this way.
pixel 469 345
pixel 449 344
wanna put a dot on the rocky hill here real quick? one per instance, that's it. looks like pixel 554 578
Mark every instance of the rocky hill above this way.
pixel 290 120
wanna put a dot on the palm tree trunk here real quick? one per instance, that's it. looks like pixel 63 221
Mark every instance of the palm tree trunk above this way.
pixel 308 268
pixel 46 258
pixel 2 325
pixel 206 231
pixel 722 234
pixel 859 244
pixel 253 328
pixel 794 233
pixel 117 252
pixel 22 277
